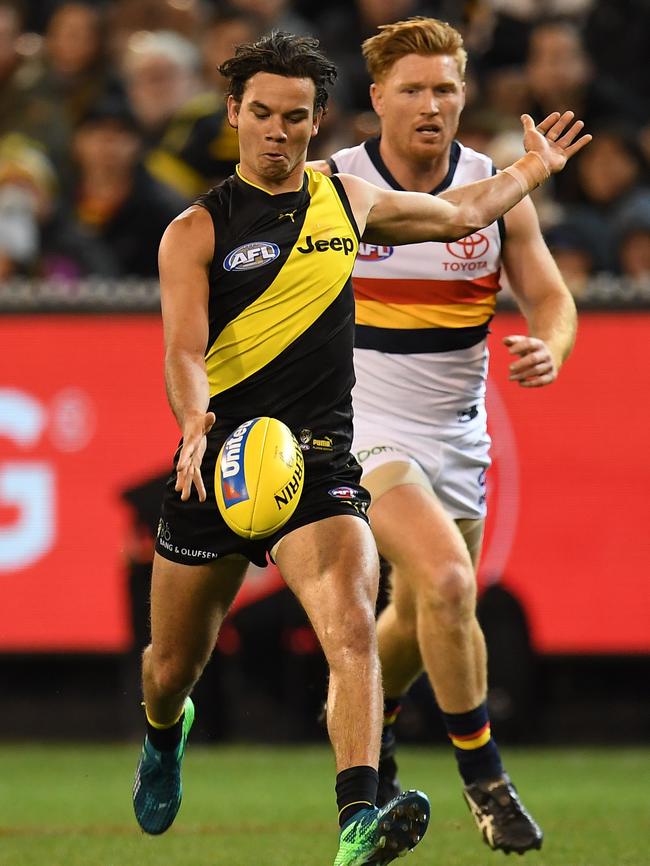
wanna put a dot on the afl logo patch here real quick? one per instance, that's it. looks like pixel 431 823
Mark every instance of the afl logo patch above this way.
pixel 343 492
pixel 255 254
pixel 372 253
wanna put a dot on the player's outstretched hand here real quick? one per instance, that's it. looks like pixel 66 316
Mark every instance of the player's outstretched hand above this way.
pixel 554 139
pixel 188 468
pixel 535 366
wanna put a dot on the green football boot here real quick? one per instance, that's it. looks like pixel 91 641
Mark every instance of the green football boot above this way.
pixel 379 836
pixel 157 790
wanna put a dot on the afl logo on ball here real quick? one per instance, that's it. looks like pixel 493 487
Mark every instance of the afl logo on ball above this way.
pixel 255 254
pixel 472 247
pixel 372 253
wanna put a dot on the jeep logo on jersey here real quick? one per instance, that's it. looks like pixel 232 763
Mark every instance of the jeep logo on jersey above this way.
pixel 252 255
pixel 372 253
pixel 337 244
pixel 472 247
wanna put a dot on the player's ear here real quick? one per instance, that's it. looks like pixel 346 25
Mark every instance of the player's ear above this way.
pixel 377 98
pixel 315 126
pixel 233 107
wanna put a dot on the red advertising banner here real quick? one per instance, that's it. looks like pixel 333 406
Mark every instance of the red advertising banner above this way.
pixel 569 489
pixel 83 417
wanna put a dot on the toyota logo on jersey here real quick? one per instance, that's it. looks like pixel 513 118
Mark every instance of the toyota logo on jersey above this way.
pixel 472 247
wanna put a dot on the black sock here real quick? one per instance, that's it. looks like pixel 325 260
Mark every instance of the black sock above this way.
pixel 356 788
pixel 392 709
pixel 165 739
pixel 476 751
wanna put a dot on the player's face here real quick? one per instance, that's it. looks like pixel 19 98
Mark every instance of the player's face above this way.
pixel 419 103
pixel 275 122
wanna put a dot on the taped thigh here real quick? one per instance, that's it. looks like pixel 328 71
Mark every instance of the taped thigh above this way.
pixel 472 532
pixel 386 476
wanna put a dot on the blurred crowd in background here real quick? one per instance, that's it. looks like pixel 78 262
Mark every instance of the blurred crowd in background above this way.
pixel 112 117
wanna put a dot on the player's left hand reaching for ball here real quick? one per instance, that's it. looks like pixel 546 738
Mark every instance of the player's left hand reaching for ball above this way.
pixel 535 366
pixel 188 469
pixel 554 139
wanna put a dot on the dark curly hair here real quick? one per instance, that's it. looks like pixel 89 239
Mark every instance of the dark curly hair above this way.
pixel 284 54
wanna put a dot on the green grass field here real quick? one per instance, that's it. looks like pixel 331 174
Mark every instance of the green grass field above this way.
pixel 254 806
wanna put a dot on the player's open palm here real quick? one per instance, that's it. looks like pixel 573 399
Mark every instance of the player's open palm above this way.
pixel 555 138
pixel 188 468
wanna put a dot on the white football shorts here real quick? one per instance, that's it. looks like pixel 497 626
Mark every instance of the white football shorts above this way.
pixel 455 459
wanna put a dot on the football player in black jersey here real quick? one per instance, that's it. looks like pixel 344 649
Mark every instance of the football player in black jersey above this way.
pixel 240 331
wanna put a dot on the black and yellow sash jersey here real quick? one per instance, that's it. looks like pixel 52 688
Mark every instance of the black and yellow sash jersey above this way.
pixel 281 307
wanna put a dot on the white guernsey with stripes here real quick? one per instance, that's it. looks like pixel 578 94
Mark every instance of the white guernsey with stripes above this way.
pixel 422 316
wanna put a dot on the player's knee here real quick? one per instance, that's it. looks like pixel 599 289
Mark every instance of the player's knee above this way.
pixel 173 676
pixel 352 636
pixel 449 591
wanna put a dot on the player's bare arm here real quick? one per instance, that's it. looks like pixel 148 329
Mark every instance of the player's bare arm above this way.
pixel 386 216
pixel 543 298
pixel 186 250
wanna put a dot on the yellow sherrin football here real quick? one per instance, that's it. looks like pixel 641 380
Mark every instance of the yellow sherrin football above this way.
pixel 258 478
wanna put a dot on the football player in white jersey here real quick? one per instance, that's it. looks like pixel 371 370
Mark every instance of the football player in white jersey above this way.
pixel 423 312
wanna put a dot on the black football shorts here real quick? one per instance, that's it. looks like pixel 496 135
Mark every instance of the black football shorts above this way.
pixel 194 532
